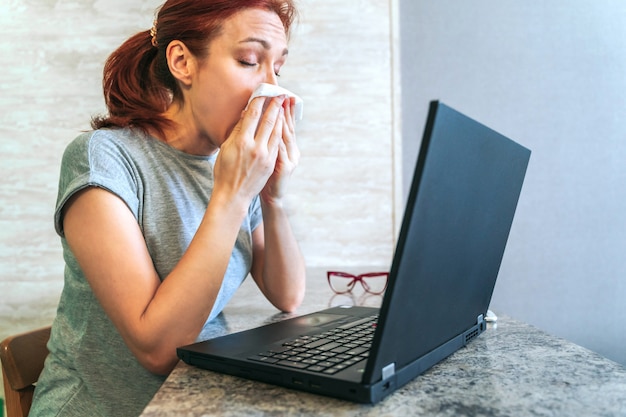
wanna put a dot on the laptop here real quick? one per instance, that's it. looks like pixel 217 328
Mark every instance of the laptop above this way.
pixel 459 211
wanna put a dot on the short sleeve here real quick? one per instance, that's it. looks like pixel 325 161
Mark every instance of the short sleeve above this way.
pixel 96 159
pixel 256 215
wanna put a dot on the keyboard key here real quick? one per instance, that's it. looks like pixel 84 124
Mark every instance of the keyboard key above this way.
pixel 281 356
pixel 280 349
pixel 340 349
pixel 292 364
pixel 356 351
pixel 317 343
pixel 329 346
pixel 335 369
pixel 266 359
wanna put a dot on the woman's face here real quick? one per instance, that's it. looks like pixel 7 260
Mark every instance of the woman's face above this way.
pixel 250 50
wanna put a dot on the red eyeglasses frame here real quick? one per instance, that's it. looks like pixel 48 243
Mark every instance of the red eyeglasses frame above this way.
pixel 361 278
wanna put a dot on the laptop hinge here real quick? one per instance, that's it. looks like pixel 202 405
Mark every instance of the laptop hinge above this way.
pixel 389 370
pixel 480 321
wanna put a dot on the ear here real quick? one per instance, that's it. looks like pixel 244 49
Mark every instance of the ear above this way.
pixel 180 61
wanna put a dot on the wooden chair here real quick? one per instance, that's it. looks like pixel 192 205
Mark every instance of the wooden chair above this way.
pixel 22 358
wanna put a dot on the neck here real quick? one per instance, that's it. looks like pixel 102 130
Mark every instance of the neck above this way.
pixel 183 135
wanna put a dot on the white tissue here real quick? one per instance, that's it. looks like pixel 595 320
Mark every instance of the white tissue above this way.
pixel 271 90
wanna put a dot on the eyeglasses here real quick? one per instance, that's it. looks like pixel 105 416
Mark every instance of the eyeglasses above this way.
pixel 343 282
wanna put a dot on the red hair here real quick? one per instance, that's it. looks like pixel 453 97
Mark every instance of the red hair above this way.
pixel 138 86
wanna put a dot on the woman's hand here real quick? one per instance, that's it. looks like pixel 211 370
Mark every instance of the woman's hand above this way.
pixel 252 152
pixel 288 156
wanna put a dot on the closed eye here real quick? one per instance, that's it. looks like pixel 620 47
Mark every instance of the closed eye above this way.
pixel 250 64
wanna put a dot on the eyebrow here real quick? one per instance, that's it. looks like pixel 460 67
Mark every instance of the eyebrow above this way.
pixel 265 44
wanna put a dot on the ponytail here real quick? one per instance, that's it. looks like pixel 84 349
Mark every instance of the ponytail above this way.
pixel 137 86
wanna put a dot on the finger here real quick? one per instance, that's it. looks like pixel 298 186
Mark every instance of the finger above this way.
pixel 288 105
pixel 268 122
pixel 289 130
pixel 252 115
pixel 283 152
pixel 289 138
pixel 276 137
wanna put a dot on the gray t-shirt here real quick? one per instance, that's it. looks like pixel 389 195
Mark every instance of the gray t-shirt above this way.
pixel 90 371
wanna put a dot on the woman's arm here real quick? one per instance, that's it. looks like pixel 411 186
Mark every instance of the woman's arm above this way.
pixel 155 317
pixel 278 266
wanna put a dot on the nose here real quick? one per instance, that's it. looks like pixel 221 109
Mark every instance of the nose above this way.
pixel 271 77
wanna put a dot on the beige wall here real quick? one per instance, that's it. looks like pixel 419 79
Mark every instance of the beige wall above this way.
pixel 52 54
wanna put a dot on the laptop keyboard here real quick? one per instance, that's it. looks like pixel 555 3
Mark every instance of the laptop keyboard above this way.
pixel 328 352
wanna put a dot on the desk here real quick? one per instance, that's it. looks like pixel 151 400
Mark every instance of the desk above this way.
pixel 512 369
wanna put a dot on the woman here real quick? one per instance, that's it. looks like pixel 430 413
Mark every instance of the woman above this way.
pixel 159 228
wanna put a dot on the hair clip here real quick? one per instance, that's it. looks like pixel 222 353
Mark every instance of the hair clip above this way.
pixel 153 34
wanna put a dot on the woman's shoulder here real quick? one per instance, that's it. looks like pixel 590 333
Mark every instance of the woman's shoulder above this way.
pixel 106 143
pixel 100 137
pixel 132 149
pixel 103 152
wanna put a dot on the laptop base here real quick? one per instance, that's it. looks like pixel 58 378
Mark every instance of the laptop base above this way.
pixel 344 385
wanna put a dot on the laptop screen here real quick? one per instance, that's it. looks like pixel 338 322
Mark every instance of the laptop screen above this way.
pixel 459 211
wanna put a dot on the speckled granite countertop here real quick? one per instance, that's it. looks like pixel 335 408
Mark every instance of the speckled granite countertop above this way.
pixel 512 369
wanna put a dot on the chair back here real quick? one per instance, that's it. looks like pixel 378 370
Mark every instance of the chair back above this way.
pixel 22 357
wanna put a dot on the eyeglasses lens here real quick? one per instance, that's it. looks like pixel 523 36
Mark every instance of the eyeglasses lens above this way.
pixel 375 284
pixel 341 283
